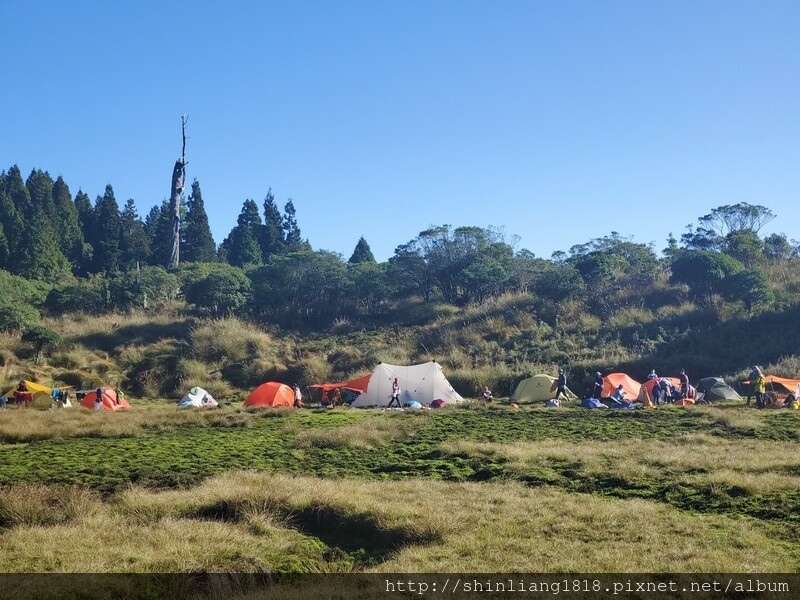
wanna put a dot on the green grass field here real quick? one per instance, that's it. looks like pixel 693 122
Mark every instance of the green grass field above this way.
pixel 469 489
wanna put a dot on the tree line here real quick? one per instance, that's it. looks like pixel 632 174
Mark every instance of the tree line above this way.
pixel 97 257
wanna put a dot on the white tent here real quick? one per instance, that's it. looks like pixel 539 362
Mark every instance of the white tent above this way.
pixel 423 383
pixel 199 398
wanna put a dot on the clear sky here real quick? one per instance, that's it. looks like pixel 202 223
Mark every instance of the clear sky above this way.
pixel 557 121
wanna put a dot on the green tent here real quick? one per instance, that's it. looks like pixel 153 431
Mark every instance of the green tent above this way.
pixel 715 388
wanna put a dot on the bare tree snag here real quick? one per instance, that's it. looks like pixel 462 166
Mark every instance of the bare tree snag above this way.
pixel 178 180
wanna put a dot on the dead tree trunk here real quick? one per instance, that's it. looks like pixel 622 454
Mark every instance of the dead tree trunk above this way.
pixel 178 179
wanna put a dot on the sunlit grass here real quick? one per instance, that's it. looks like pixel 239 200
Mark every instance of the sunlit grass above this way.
pixel 245 522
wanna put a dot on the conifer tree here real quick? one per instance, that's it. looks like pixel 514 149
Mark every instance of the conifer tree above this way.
pixel 362 253
pixel 35 251
pixel 198 243
pixel 272 241
pixel 241 247
pixel 105 237
pixel 158 226
pixel 85 212
pixel 134 245
pixel 19 194
pixel 68 227
pixel 40 188
pixel 4 252
pixel 10 221
pixel 291 232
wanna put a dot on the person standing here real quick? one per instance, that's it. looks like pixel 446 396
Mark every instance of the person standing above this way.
pixel 751 389
pixel 561 385
pixel 684 384
pixel 759 387
pixel 395 394
pixel 597 390
pixel 298 397
pixel 652 374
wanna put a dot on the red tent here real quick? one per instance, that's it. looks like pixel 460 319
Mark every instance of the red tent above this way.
pixel 357 385
pixel 271 393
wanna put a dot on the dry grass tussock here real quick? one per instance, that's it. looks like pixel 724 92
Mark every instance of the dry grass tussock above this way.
pixel 757 466
pixel 77 325
pixel 25 425
pixel 252 522
pixel 372 433
pixel 231 340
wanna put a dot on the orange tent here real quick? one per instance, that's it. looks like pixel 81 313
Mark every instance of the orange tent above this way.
pixel 646 391
pixel 780 384
pixel 629 385
pixel 271 393
pixel 109 399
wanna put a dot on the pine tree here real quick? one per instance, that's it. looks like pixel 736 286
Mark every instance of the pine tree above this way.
pixel 10 221
pixel 68 227
pixel 362 253
pixel 241 247
pixel 198 243
pixel 40 188
pixel 134 245
pixel 158 226
pixel 35 249
pixel 85 212
pixel 19 194
pixel 291 232
pixel 4 251
pixel 105 237
pixel 272 241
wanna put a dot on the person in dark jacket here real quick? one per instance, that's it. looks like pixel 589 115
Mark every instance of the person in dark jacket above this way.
pixel 597 390
pixel 561 385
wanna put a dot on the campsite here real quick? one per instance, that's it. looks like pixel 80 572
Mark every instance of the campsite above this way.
pixel 278 489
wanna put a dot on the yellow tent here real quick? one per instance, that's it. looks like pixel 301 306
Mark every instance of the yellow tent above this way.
pixel 32 386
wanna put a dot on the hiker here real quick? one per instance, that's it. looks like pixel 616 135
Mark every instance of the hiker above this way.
pixel 663 391
pixel 337 398
pixel 619 393
pixel 298 397
pixel 487 394
pixel 395 394
pixel 652 374
pixel 98 399
pixel 561 385
pixel 325 400
pixel 759 387
pixel 597 390
pixel 684 384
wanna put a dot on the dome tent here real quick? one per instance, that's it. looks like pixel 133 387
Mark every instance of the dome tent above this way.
pixel 197 397
pixel 110 400
pixel 272 394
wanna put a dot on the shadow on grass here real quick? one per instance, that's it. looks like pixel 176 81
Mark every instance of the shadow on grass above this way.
pixel 359 537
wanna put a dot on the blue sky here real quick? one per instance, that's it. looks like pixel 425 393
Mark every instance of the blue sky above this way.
pixel 383 118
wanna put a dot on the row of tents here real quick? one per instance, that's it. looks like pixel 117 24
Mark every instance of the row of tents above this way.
pixel 713 389
pixel 32 394
pixel 423 384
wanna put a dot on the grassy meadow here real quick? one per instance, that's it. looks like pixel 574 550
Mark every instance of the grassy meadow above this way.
pixel 461 489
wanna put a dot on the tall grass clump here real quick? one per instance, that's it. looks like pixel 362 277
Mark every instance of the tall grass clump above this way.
pixel 32 504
